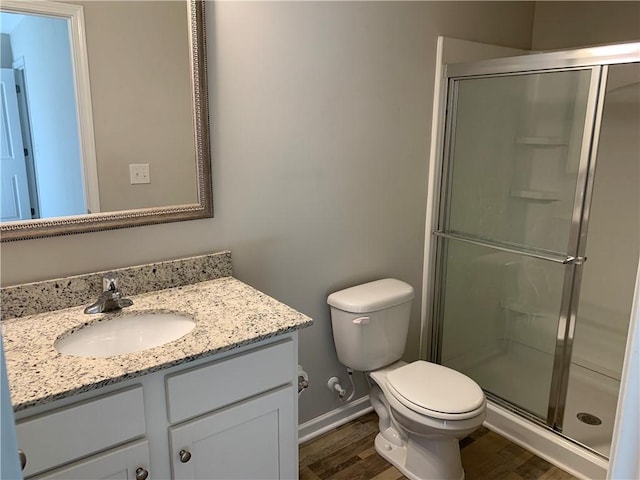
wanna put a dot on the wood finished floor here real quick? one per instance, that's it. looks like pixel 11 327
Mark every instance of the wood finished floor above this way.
pixel 347 453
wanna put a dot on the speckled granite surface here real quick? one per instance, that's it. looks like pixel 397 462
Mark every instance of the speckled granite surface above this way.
pixel 228 314
pixel 59 293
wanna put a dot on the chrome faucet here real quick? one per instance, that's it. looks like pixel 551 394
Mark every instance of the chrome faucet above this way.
pixel 111 298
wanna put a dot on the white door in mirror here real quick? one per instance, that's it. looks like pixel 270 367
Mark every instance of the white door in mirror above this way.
pixel 125 334
pixel 14 199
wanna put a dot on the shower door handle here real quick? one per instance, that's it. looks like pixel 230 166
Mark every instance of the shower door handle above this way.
pixel 574 260
pixel 556 258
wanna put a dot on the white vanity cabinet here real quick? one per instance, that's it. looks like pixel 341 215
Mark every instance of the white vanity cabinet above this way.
pixel 233 415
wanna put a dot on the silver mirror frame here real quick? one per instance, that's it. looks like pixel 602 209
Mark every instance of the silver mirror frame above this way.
pixel 40 228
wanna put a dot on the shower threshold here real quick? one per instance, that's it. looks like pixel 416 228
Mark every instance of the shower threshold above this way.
pixel 519 376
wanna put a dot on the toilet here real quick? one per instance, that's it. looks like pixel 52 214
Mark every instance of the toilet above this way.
pixel 423 408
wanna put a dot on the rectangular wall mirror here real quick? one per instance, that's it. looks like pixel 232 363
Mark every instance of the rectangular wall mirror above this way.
pixel 104 116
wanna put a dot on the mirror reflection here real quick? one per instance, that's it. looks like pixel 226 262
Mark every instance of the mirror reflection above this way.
pixel 42 173
pixel 98 124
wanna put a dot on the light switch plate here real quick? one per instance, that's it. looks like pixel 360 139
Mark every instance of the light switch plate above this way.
pixel 139 173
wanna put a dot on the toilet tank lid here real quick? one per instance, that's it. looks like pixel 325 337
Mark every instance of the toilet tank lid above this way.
pixel 372 296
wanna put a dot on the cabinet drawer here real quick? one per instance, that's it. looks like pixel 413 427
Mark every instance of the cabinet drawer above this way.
pixel 227 381
pixel 118 463
pixel 61 436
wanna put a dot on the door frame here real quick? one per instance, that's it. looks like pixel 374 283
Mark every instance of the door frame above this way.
pixel 581 57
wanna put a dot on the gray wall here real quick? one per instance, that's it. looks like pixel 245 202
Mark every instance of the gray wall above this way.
pixel 134 123
pixel 321 114
pixel 559 25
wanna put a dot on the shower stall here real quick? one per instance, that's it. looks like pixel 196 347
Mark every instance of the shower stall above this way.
pixel 537 233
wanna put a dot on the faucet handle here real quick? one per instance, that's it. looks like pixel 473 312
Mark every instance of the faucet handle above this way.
pixel 109 281
pixel 111 298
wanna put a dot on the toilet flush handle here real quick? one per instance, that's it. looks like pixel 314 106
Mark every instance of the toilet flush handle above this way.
pixel 361 321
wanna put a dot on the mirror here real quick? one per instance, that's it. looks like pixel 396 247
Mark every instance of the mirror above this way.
pixel 127 138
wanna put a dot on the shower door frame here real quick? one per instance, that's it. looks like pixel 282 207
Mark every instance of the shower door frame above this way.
pixel 597 60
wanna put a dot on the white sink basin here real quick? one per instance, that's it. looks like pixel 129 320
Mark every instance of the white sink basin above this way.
pixel 125 334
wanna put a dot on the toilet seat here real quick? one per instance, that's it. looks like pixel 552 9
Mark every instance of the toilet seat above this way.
pixel 436 391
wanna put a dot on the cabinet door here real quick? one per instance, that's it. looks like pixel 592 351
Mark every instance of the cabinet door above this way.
pixel 255 439
pixel 117 464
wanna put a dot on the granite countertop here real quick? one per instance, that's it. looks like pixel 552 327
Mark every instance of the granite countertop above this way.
pixel 228 314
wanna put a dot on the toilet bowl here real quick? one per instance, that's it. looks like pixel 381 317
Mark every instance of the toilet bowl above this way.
pixel 423 408
pixel 419 432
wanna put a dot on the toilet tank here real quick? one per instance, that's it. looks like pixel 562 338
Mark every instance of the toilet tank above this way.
pixel 370 323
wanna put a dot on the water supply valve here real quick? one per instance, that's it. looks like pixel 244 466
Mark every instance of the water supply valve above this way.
pixel 334 385
pixel 303 380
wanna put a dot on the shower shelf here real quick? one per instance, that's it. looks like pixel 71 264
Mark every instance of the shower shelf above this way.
pixel 537 195
pixel 529 310
pixel 542 141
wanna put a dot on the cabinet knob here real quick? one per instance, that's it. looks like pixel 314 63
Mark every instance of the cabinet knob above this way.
pixel 23 459
pixel 185 456
pixel 141 473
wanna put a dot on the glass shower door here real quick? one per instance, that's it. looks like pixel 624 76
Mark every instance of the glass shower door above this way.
pixel 514 184
pixel 608 278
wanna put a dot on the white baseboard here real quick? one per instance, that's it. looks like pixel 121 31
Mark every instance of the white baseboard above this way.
pixel 564 454
pixel 333 419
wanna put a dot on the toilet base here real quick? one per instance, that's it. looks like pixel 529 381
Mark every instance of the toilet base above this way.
pixel 437 470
